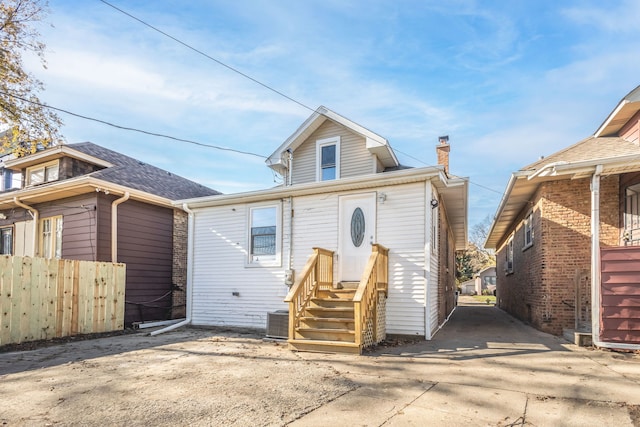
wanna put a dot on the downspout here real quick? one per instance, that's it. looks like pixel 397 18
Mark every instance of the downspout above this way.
pixel 35 214
pixel 189 308
pixel 114 225
pixel 596 270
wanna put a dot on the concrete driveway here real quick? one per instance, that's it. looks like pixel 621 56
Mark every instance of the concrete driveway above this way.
pixel 485 368
pixel 482 368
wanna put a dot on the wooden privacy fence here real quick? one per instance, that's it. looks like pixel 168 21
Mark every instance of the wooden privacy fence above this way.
pixel 48 298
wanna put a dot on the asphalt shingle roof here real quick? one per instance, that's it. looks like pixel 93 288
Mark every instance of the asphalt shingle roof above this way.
pixel 138 175
pixel 591 148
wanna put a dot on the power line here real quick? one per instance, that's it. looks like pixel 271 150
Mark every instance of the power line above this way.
pixel 198 51
pixel 174 138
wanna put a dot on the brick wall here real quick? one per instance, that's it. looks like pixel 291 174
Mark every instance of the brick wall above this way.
pixel 541 289
pixel 179 276
pixel 447 267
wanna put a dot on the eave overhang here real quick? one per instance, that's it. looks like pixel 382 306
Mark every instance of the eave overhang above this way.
pixel 453 191
pixel 73 187
pixel 522 186
pixel 53 153
pixel 375 143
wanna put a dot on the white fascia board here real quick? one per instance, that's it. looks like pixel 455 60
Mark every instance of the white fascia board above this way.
pixel 503 203
pixel 274 161
pixel 345 184
pixel 611 116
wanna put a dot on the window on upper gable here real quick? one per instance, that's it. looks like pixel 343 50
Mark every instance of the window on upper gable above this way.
pixel 328 159
pixel 528 231
pixel 42 173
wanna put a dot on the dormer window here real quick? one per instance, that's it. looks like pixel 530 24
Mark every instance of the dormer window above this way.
pixel 328 159
pixel 42 173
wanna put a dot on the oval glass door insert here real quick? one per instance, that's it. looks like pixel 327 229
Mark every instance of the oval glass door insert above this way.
pixel 357 227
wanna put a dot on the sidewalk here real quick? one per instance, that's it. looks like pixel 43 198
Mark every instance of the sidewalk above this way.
pixel 484 368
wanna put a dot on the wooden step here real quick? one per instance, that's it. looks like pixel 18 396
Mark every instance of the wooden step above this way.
pixel 324 346
pixel 341 312
pixel 331 302
pixel 342 294
pixel 348 285
pixel 325 334
pixel 328 322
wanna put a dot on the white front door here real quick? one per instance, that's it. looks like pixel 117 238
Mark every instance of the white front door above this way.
pixel 357 231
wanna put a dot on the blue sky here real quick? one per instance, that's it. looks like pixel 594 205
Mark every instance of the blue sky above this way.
pixel 507 81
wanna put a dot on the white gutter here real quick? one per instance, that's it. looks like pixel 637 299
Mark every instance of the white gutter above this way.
pixel 596 270
pixel 34 213
pixel 189 308
pixel 114 225
pixel 544 168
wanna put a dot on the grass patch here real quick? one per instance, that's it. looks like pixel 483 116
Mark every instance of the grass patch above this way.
pixel 483 298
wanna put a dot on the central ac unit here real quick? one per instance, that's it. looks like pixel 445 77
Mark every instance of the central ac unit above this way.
pixel 278 324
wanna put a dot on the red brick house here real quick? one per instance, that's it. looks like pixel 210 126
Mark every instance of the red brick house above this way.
pixel 567 236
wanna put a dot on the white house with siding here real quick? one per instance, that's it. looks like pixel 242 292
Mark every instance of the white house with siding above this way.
pixel 344 191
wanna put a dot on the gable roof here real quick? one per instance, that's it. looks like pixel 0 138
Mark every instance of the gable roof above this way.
pixel 604 150
pixel 119 174
pixel 626 108
pixel 375 143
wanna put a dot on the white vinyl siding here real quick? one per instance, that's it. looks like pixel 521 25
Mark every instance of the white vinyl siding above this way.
pixel 220 271
pixel 403 225
pixel 401 228
pixel 354 157
pixel 432 217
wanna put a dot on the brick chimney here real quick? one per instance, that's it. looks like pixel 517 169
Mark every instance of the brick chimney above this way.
pixel 443 152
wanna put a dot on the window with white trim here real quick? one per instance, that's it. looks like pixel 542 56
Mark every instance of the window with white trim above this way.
pixel 528 231
pixel 6 241
pixel 509 255
pixel 264 235
pixel 328 159
pixel 51 237
pixel 45 172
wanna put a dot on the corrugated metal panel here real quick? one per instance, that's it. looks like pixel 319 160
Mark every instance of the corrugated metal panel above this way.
pixel 620 295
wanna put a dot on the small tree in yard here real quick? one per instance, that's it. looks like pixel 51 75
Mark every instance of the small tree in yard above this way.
pixel 25 123
pixel 475 258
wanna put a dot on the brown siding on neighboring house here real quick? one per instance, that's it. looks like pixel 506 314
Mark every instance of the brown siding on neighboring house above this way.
pixel 104 226
pixel 145 244
pixel 79 225
pixel 541 288
pixel 179 276
pixel 620 295
pixel 355 159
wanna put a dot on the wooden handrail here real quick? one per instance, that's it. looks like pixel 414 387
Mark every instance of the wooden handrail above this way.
pixel 374 281
pixel 316 274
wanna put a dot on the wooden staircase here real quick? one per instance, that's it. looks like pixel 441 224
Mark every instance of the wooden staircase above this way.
pixel 328 323
pixel 338 318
